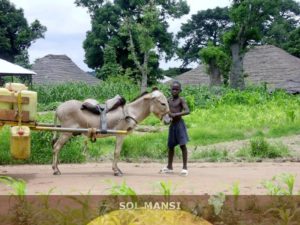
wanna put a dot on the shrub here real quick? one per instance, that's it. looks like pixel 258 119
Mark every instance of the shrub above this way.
pixel 260 148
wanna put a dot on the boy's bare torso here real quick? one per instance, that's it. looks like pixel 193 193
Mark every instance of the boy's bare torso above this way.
pixel 176 106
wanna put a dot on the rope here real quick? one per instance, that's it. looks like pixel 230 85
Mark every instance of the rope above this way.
pixel 19 109
pixel 92 134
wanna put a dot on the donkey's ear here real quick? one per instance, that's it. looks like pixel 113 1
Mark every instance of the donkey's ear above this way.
pixel 148 96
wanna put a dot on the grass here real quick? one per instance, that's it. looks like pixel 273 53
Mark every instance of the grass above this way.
pixel 210 155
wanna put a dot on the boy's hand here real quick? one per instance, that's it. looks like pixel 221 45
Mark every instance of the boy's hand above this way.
pixel 172 115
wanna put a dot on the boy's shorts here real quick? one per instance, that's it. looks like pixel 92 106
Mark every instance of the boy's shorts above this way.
pixel 177 134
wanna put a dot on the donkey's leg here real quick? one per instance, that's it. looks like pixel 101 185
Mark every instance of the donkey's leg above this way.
pixel 119 143
pixel 63 138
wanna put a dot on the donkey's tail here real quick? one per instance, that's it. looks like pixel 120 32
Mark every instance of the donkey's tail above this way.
pixel 54 139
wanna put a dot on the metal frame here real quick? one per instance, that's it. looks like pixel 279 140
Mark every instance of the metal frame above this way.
pixel 52 127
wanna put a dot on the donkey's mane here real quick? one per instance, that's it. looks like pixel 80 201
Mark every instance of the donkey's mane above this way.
pixel 141 95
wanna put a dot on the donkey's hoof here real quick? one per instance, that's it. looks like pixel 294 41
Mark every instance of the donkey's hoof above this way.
pixel 118 174
pixel 57 173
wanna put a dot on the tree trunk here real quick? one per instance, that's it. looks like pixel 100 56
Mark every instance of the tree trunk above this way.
pixel 236 76
pixel 144 82
pixel 214 75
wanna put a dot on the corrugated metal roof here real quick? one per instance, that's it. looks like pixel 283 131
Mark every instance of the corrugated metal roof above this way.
pixel 11 69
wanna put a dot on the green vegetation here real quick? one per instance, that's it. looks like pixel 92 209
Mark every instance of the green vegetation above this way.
pixel 210 155
pixel 122 189
pixel 260 148
pixel 50 96
pixel 17 185
pixel 282 184
pixel 16 35
pixel 165 188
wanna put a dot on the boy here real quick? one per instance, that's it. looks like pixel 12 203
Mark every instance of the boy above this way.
pixel 177 130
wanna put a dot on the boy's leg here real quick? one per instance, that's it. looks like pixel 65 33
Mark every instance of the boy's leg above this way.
pixel 184 156
pixel 170 158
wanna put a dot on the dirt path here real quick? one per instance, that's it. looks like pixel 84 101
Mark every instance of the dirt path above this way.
pixel 203 178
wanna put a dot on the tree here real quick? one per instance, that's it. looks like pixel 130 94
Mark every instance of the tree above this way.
pixel 16 36
pixel 218 63
pixel 285 20
pixel 293 44
pixel 108 19
pixel 205 26
pixel 249 18
pixel 144 31
pixel 110 66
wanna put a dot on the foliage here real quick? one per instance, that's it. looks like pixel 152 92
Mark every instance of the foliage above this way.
pixel 16 36
pixel 236 188
pixel 144 31
pixel 204 27
pixel 293 44
pixel 190 100
pixel 110 66
pixel 165 188
pixel 122 189
pixel 282 184
pixel 216 58
pixel 281 29
pixel 18 185
pixel 259 147
pixel 107 20
pixel 248 18
pixel 217 201
pixel 50 95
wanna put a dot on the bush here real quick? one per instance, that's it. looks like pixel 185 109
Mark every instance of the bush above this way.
pixel 260 148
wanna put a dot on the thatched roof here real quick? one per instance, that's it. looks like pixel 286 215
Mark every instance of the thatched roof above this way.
pixel 196 76
pixel 262 64
pixel 274 66
pixel 53 69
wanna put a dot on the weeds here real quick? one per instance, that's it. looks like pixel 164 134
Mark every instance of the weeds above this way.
pixel 282 184
pixel 120 189
pixel 17 185
pixel 261 148
pixel 217 201
pixel 165 188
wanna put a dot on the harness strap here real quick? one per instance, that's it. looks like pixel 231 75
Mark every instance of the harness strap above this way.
pixel 103 120
pixel 127 116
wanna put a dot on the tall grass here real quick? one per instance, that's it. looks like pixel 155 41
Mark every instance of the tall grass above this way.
pixel 51 95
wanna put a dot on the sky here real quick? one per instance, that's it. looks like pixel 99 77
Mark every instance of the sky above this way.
pixel 67 25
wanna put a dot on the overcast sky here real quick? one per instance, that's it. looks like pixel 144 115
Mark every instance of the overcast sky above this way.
pixel 67 26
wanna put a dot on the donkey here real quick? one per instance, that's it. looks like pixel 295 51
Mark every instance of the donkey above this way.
pixel 126 118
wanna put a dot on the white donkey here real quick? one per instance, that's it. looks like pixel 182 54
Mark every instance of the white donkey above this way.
pixel 127 117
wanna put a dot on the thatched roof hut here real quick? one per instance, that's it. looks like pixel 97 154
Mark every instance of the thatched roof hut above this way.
pixel 54 69
pixel 197 76
pixel 274 66
pixel 262 64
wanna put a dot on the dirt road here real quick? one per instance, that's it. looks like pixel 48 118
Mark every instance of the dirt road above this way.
pixel 95 177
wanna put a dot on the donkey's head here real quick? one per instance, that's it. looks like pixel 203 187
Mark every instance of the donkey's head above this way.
pixel 158 104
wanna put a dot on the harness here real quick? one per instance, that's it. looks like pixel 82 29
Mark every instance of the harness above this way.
pixel 127 116
pixel 102 110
